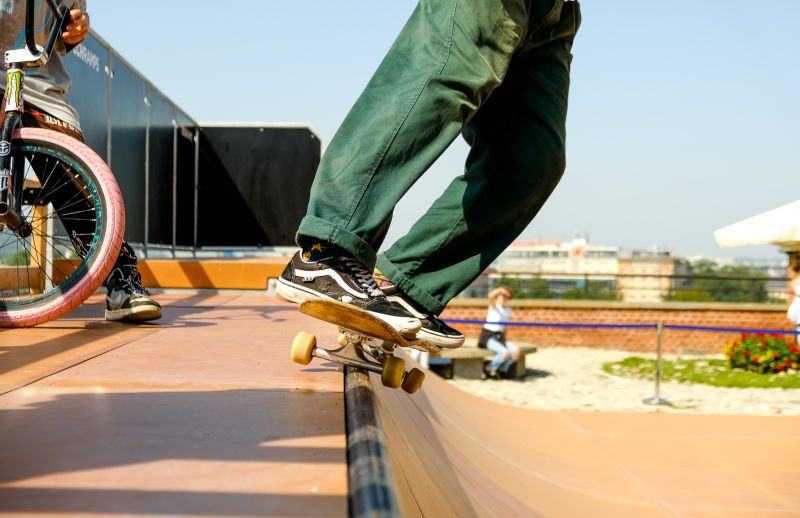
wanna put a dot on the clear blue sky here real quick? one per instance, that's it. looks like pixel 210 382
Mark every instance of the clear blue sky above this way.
pixel 684 115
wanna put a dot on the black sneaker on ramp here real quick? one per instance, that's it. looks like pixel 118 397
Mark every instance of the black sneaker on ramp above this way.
pixel 434 329
pixel 344 279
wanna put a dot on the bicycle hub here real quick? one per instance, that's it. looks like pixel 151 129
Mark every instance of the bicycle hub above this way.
pixel 12 220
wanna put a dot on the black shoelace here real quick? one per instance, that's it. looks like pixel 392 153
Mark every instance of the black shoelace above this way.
pixel 133 281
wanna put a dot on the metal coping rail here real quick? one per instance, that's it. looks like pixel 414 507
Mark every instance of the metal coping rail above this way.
pixel 628 326
pixel 371 487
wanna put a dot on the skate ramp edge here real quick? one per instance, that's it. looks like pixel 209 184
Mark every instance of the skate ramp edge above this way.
pixel 454 454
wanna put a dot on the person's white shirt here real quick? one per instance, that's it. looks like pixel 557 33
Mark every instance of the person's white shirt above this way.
pixel 497 314
pixel 794 308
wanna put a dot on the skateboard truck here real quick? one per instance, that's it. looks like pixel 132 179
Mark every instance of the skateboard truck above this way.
pixel 356 351
pixel 365 342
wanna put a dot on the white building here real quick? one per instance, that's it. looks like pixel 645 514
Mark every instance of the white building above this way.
pixel 650 275
pixel 564 265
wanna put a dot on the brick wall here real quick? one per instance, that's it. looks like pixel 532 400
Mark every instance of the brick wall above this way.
pixel 762 316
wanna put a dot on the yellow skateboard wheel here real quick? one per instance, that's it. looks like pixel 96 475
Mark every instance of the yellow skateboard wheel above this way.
pixel 393 371
pixel 303 348
pixel 413 380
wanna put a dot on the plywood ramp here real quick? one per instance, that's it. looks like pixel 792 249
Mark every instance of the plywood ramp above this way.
pixel 453 454
pixel 201 414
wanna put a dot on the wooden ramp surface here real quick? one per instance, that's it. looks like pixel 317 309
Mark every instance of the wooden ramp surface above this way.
pixel 453 454
pixel 203 414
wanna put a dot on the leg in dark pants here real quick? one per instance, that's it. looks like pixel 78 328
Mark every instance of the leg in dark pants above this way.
pixel 517 157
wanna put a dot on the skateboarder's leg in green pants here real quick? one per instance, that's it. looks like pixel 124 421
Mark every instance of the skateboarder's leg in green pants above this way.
pixel 494 71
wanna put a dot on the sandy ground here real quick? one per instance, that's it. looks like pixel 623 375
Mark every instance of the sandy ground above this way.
pixel 572 378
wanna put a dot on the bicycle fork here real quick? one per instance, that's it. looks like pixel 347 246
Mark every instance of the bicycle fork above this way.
pixel 11 195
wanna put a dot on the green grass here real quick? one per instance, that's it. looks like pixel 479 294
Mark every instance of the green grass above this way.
pixel 714 372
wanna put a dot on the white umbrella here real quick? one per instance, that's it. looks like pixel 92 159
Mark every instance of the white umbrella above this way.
pixel 779 226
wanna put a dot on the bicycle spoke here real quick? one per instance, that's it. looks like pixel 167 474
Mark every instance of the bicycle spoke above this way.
pixel 78 200
pixel 27 271
pixel 69 205
pixel 61 215
pixel 34 250
pixel 16 258
pixel 43 270
pixel 55 249
pixel 50 193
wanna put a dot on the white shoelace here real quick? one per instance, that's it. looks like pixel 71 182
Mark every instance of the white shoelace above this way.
pixel 363 276
pixel 133 281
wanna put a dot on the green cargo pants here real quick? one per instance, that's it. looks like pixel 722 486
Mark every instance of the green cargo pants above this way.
pixel 496 71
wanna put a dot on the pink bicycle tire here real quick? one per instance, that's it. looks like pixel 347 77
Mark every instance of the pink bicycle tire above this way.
pixel 112 231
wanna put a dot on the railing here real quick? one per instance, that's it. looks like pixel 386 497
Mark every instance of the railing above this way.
pixel 633 287
pixel 659 327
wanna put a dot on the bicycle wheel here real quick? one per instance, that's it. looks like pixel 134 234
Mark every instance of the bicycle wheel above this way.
pixel 72 201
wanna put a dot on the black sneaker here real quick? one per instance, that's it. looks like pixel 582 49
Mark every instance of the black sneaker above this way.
pixel 127 299
pixel 344 279
pixel 489 374
pixel 434 330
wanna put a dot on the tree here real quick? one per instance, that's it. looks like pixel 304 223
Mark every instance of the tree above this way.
pixel 527 288
pixel 728 283
pixel 593 290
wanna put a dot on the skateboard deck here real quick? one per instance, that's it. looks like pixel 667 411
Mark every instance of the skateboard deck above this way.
pixel 360 321
pixel 366 342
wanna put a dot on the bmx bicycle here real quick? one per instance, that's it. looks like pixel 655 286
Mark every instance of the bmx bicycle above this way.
pixel 62 216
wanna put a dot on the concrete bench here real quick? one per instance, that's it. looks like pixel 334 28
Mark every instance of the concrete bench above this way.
pixel 467 361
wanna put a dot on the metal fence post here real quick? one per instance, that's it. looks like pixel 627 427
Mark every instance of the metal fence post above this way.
pixel 657 399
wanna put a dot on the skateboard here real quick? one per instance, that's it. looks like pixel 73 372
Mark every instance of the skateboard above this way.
pixel 366 342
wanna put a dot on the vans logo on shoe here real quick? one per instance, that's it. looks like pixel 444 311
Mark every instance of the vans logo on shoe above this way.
pixel 333 279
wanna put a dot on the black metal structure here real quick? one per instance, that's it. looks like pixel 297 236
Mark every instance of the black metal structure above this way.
pixel 187 186
pixel 265 173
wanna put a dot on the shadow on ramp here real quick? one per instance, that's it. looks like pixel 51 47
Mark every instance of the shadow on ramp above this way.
pixel 209 453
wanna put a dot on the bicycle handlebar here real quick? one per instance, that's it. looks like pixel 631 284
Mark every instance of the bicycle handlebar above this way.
pixel 54 6
pixel 61 13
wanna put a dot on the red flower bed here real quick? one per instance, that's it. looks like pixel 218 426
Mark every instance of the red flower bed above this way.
pixel 765 354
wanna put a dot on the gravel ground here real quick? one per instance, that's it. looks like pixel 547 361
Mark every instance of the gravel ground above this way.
pixel 572 378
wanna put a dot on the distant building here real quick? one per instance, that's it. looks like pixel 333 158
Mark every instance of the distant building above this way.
pixel 564 265
pixel 630 275
pixel 650 275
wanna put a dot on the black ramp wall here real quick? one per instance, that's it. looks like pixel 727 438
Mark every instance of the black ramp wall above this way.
pixel 233 187
pixel 89 65
pixel 185 183
pixel 160 173
pixel 254 184
pixel 129 114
